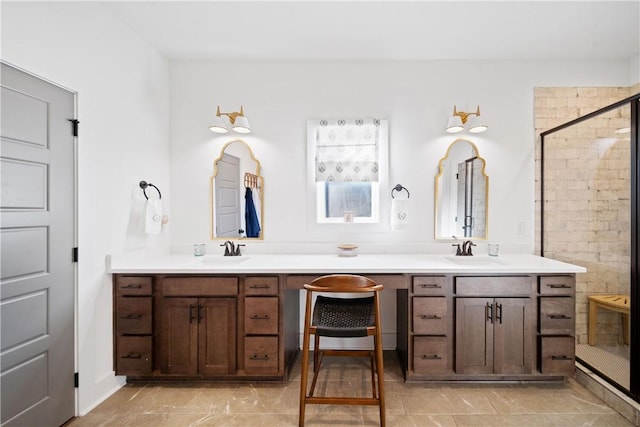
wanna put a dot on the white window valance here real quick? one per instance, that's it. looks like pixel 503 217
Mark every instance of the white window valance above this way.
pixel 347 150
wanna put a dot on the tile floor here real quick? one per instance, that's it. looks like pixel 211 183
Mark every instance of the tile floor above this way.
pixel 265 405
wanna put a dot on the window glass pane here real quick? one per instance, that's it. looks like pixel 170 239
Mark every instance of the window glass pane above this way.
pixel 354 197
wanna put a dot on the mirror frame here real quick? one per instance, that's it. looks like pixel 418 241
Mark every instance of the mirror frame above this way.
pixel 436 198
pixel 212 191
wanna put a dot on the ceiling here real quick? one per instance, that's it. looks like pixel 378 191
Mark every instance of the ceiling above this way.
pixel 386 30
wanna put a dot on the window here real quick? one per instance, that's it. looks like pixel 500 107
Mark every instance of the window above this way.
pixel 345 161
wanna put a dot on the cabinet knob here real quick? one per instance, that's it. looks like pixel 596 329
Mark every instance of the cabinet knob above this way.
pixel 260 317
pixel 430 286
pixel 259 287
pixel 131 286
pixel 558 286
pixel 562 357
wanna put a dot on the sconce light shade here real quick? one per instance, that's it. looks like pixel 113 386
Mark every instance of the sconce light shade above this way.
pixel 241 125
pixel 220 124
pixel 224 122
pixel 461 120
pixel 455 124
pixel 477 124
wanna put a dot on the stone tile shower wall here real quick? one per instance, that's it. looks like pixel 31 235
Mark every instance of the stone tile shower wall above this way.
pixel 587 195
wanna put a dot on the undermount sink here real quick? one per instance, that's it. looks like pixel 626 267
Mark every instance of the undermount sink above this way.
pixel 222 260
pixel 472 260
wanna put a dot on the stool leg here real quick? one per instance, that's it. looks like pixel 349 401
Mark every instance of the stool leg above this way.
pixel 380 372
pixel 379 362
pixel 374 369
pixel 304 364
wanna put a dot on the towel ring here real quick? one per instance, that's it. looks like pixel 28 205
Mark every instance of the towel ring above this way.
pixel 399 187
pixel 145 184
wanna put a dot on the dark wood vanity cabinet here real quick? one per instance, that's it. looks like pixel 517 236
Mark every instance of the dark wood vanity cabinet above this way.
pixel 261 325
pixel 495 330
pixel 133 327
pixel 556 324
pixel 484 327
pixel 198 317
pixel 450 327
pixel 201 327
pixel 198 336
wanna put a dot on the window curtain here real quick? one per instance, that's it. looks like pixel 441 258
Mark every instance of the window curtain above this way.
pixel 347 150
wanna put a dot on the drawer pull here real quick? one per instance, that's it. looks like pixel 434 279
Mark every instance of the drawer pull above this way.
pixel 430 286
pixel 563 357
pixel 559 317
pixel 132 316
pixel 431 357
pixel 133 356
pixel 558 286
pixel 131 286
pixel 258 317
pixel 259 357
pixel 259 287
pixel 430 317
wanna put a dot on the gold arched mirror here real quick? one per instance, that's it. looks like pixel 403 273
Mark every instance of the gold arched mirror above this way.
pixel 462 193
pixel 236 194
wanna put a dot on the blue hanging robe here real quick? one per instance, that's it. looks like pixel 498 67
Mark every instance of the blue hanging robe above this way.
pixel 250 216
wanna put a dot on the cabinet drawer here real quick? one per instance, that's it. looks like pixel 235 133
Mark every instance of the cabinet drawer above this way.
pixel 557 315
pixel 494 286
pixel 199 286
pixel 133 355
pixel 133 315
pixel 557 354
pixel 261 315
pixel 431 355
pixel 261 354
pixel 429 285
pixel 557 285
pixel 134 286
pixel 430 315
pixel 261 286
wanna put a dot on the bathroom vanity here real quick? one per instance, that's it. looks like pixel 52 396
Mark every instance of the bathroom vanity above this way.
pixel 237 318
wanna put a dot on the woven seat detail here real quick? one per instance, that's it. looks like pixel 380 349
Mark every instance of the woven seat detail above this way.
pixel 339 317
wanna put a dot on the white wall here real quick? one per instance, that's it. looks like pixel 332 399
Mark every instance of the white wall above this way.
pixel 123 108
pixel 416 96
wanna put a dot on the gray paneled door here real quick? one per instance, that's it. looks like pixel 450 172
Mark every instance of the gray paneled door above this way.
pixel 37 232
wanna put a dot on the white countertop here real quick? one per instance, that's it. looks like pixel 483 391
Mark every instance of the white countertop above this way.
pixel 363 263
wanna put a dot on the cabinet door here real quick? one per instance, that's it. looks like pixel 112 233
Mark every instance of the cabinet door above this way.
pixel 217 331
pixel 512 336
pixel 179 336
pixel 474 335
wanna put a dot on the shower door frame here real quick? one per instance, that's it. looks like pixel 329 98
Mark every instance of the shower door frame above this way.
pixel 634 312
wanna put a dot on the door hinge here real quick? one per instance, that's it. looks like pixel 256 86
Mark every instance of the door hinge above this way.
pixel 76 380
pixel 74 124
pixel 74 255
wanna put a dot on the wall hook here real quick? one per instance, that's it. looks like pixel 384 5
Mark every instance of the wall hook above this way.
pixel 145 184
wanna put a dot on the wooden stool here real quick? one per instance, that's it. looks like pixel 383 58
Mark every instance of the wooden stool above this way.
pixel 342 317
pixel 619 303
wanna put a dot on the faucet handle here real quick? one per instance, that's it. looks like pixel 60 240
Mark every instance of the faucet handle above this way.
pixel 458 250
pixel 237 252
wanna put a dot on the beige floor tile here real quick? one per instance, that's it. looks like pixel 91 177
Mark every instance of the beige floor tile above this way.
pixel 411 405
